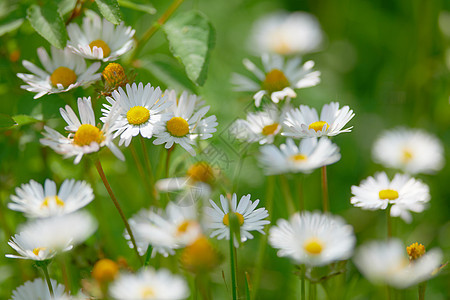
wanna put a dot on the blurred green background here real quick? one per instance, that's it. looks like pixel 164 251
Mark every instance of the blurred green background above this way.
pixel 385 59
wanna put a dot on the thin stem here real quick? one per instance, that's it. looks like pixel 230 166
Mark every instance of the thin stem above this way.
pixel 98 165
pixel 325 201
pixel 76 11
pixel 302 287
pixel 148 256
pixel 388 293
pixel 232 266
pixel 287 195
pixel 389 222
pixel 301 199
pixel 141 171
pixel 422 288
pixel 64 273
pixel 312 291
pixel 169 155
pixel 147 162
pixel 47 278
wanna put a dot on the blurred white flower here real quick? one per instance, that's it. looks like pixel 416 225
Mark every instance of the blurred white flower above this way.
pixel 404 193
pixel 304 122
pixel 278 79
pixel 149 284
pixel 410 150
pixel 99 39
pixel 186 124
pixel 84 136
pixel 38 290
pixel 313 239
pixel 249 218
pixel 387 262
pixel 311 154
pixel 39 201
pixel 286 33
pixel 62 72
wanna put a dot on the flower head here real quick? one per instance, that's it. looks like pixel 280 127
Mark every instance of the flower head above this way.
pixel 105 270
pixel 38 290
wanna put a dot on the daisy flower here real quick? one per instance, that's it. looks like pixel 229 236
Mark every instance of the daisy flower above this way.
pixel 286 33
pixel 305 122
pixel 187 123
pixel 309 155
pixel 313 238
pixel 387 262
pixel 250 218
pixel 278 79
pixel 165 231
pixel 149 284
pixel 99 39
pixel 62 72
pixel 403 193
pixel 141 109
pixel 84 136
pixel 410 150
pixel 39 201
pixel 44 238
pixel 38 290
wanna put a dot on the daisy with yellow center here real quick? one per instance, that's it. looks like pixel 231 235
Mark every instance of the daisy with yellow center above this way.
pixel 402 194
pixel 85 137
pixel 249 217
pixel 114 75
pixel 99 39
pixel 63 71
pixel 38 289
pixel 415 250
pixel 278 79
pixel 187 123
pixel 313 238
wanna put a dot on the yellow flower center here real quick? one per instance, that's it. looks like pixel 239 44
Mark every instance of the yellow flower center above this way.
pixel 200 256
pixel 226 219
pixel 201 171
pixel 86 134
pixel 270 129
pixel 147 293
pixel 64 76
pixel 183 227
pixel 282 48
pixel 406 155
pixel 317 126
pixel 37 250
pixel 178 126
pixel 100 44
pixel 415 251
pixel 298 157
pixel 138 115
pixel 55 199
pixel 313 246
pixel 113 73
pixel 275 81
pixel 388 194
pixel 105 270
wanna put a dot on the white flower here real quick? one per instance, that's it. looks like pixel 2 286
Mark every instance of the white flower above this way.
pixel 187 122
pixel 404 193
pixel 38 290
pixel 84 137
pixel 44 238
pixel 305 122
pixel 250 218
pixel 62 72
pixel 141 109
pixel 149 284
pixel 99 39
pixel 313 239
pixel 165 231
pixel 387 262
pixel 286 33
pixel 278 79
pixel 410 150
pixel 39 201
pixel 311 154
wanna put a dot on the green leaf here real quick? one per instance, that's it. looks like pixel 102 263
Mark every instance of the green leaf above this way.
pixel 147 8
pixel 66 6
pixel 6 121
pixel 191 38
pixel 8 27
pixel 110 10
pixel 24 120
pixel 48 23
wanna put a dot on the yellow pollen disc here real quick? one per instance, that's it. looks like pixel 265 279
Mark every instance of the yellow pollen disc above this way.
pixel 100 44
pixel 317 126
pixel 388 194
pixel 201 171
pixel 178 126
pixel 183 227
pixel 415 251
pixel 275 81
pixel 138 115
pixel 313 246
pixel 38 249
pixel 105 270
pixel 406 155
pixel 64 76
pixel 147 293
pixel 113 73
pixel 226 219
pixel 270 129
pixel 86 134
pixel 298 157
pixel 282 48
pixel 55 199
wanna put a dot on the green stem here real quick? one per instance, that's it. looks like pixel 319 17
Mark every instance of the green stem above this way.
pixel 287 195
pixel 98 165
pixel 47 278
pixel 422 288
pixel 64 272
pixel 325 201
pixel 232 266
pixel 169 155
pixel 303 288
pixel 148 256
pixel 141 171
pixel 389 222
pixel 301 199
pixel 147 162
pixel 312 291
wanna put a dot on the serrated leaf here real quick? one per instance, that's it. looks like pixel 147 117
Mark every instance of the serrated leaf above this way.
pixel 110 10
pixel 6 121
pixel 8 27
pixel 191 38
pixel 48 23
pixel 147 8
